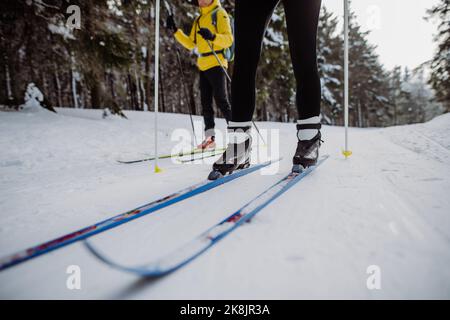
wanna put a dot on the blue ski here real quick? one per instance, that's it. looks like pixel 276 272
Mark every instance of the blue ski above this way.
pixel 191 250
pixel 113 222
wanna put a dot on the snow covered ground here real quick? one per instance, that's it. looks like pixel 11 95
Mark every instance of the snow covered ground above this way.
pixel 388 205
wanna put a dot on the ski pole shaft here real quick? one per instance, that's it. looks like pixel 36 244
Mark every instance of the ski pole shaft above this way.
pixel 218 60
pixel 259 133
pixel 186 91
pixel 346 78
pixel 156 81
pixel 183 78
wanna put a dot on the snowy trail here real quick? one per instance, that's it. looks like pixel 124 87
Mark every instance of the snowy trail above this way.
pixel 387 205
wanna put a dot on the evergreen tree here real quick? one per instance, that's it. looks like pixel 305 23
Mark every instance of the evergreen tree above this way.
pixel 369 105
pixel 330 67
pixel 440 66
pixel 109 63
pixel 395 92
pixel 100 47
pixel 25 42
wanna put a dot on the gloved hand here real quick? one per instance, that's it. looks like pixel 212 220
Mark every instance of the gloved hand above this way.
pixel 206 34
pixel 171 25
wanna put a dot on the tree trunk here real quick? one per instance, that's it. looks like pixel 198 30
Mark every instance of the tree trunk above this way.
pixel 144 96
pixel 131 92
pixel 161 88
pixel 8 80
pixel 148 84
pixel 58 86
pixel 111 85
pixel 95 96
pixel 73 81
pixel 138 91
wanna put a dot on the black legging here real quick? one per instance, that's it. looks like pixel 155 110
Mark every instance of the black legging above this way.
pixel 252 18
pixel 214 84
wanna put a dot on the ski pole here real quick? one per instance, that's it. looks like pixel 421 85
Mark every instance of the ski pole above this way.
pixel 229 79
pixel 218 60
pixel 347 153
pixel 157 169
pixel 183 78
pixel 186 92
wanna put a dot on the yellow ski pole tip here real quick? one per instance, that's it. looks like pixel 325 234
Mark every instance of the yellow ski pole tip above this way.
pixel 158 169
pixel 347 153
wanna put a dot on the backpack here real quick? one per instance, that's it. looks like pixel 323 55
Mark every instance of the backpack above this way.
pixel 228 52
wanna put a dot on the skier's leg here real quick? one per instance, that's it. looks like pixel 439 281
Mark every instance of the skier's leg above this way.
pixel 302 17
pixel 302 21
pixel 251 19
pixel 250 24
pixel 206 97
pixel 217 80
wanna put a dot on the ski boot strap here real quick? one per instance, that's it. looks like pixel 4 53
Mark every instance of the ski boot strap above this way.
pixel 307 144
pixel 239 129
pixel 309 126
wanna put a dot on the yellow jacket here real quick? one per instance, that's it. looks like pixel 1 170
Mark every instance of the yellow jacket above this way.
pixel 224 36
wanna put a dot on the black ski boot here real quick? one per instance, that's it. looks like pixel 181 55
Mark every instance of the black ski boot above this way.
pixel 307 152
pixel 237 154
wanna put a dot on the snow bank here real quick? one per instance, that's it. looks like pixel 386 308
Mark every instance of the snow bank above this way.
pixel 386 206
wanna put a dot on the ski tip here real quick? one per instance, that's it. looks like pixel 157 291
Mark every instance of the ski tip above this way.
pixel 299 169
pixel 296 168
pixel 125 161
pixel 215 175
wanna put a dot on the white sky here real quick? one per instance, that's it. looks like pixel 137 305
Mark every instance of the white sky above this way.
pixel 398 29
